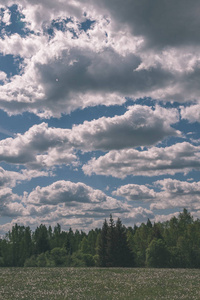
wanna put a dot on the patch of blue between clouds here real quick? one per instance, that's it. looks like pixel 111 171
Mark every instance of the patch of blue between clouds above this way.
pixel 60 25
pixel 86 25
pixel 17 24
pixel 10 64
pixel 17 124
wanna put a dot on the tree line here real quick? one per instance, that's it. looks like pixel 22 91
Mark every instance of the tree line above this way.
pixel 173 244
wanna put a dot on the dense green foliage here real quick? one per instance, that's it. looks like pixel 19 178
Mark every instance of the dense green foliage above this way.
pixel 174 244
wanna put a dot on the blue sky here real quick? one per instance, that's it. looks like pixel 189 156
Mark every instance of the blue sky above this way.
pixel 99 111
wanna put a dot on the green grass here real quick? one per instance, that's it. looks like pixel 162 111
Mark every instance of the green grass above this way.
pixel 96 283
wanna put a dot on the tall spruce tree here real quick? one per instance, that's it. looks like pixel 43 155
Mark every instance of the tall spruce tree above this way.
pixel 123 254
pixel 111 243
pixel 41 239
pixel 102 245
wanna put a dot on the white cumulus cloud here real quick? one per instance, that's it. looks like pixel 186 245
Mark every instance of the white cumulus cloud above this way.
pixel 43 146
pixel 180 157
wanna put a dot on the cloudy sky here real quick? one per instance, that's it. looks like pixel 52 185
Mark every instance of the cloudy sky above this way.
pixel 99 111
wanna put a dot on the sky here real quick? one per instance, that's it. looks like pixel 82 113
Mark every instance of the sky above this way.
pixel 99 111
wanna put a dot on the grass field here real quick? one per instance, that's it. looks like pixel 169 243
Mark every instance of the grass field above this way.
pixel 96 283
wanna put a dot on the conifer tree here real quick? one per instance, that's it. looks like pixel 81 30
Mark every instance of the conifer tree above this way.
pixel 41 239
pixel 102 245
pixel 111 243
pixel 123 254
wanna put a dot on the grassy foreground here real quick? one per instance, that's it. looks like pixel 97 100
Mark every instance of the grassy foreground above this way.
pixel 96 283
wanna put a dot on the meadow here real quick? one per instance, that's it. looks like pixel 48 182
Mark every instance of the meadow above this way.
pixel 99 283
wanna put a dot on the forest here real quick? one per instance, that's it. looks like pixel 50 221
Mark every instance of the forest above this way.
pixel 171 244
